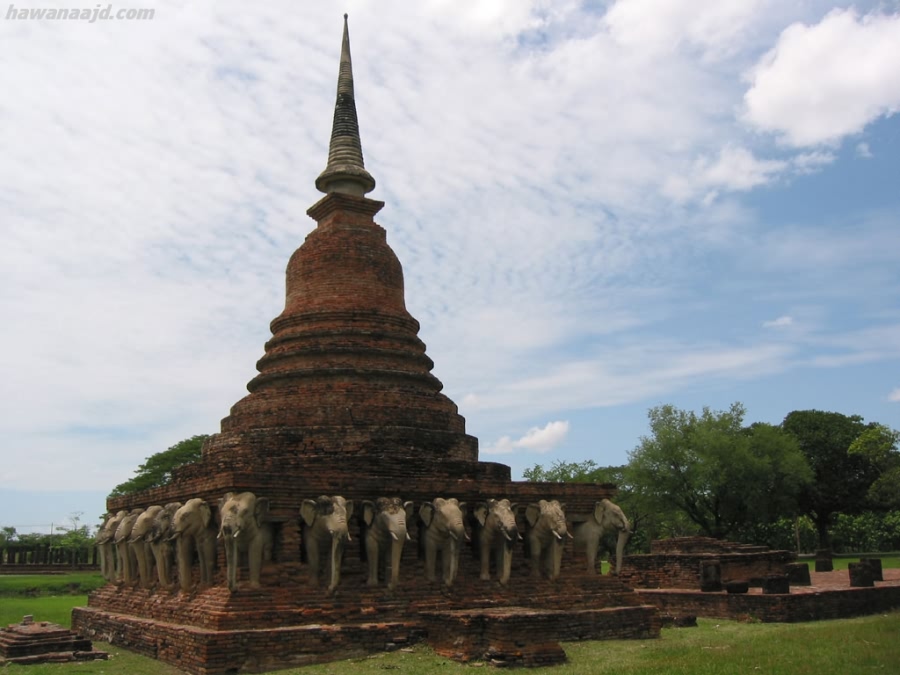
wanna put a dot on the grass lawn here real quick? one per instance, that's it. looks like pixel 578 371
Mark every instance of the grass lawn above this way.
pixel 49 584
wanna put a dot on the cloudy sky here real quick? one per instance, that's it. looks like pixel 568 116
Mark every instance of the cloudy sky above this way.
pixel 600 207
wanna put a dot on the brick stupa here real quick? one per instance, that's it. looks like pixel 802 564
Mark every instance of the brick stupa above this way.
pixel 345 403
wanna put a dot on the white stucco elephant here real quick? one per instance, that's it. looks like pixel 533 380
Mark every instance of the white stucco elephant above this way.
pixel 606 517
pixel 244 528
pixel 443 533
pixel 326 532
pixel 547 534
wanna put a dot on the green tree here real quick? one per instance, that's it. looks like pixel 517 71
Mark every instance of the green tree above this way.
pixel 841 479
pixel 156 471
pixel 570 472
pixel 879 445
pixel 719 474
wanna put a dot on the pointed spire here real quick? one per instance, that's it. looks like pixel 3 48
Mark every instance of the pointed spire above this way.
pixel 346 171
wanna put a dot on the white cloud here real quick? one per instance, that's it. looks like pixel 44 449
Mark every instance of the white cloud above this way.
pixel 537 439
pixel 780 322
pixel 863 150
pixel 894 396
pixel 825 81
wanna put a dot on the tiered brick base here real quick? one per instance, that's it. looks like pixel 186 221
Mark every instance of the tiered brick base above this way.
pixel 40 642
pixel 829 597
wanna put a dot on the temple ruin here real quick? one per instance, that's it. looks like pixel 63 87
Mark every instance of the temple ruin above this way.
pixel 345 403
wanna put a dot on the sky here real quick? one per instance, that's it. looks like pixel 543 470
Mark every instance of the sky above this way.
pixel 600 207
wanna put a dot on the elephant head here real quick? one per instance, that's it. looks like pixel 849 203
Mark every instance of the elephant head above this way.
pixel 159 537
pixel 499 534
pixel 193 530
pixel 547 534
pixel 127 559
pixel 607 517
pixel 244 527
pixel 443 533
pixel 385 521
pixel 139 542
pixel 326 530
pixel 105 540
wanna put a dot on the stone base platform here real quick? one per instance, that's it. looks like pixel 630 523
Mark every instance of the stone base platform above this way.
pixel 215 632
pixel 525 636
pixel 829 596
pixel 41 641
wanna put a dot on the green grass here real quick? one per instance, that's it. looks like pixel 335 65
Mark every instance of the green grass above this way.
pixel 57 609
pixel 887 561
pixel 77 583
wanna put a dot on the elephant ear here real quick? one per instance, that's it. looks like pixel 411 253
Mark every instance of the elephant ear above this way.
pixel 261 510
pixel 532 513
pixel 409 508
pixel 224 500
pixel 600 511
pixel 308 511
pixel 348 506
pixel 368 514
pixel 426 513
pixel 462 507
pixel 205 513
pixel 481 512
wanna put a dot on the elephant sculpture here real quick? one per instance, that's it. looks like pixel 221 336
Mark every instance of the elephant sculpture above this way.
pixel 193 530
pixel 607 517
pixel 244 528
pixel 106 545
pixel 139 544
pixel 547 534
pixel 326 532
pixel 499 534
pixel 161 533
pixel 444 533
pixel 385 521
pixel 127 561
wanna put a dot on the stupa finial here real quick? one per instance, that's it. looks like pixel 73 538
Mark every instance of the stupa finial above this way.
pixel 346 171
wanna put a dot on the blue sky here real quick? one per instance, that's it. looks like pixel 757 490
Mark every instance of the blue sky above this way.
pixel 600 207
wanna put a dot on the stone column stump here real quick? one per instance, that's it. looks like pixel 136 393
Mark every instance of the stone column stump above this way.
pixel 823 560
pixel 875 564
pixel 710 576
pixel 776 585
pixel 798 574
pixel 861 574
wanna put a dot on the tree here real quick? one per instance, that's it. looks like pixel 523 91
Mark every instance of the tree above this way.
pixel 570 472
pixel 879 445
pixel 841 479
pixel 156 471
pixel 719 474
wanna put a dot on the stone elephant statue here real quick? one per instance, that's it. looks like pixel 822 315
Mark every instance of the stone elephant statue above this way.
pixel 160 538
pixel 444 532
pixel 386 533
pixel 498 535
pixel 193 530
pixel 140 544
pixel 607 517
pixel 244 529
pixel 326 532
pixel 127 570
pixel 106 545
pixel 547 534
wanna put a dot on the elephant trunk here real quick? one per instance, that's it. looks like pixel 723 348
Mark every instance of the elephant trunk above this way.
pixel 396 552
pixel 337 550
pixel 624 536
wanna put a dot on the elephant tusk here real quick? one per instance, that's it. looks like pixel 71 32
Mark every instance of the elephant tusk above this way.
pixel 557 535
pixel 468 538
pixel 175 536
pixel 349 538
pixel 408 538
pixel 453 536
pixel 569 535
pixel 234 535
pixel 506 534
pixel 394 537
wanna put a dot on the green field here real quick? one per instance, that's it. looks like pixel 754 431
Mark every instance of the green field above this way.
pixel 715 647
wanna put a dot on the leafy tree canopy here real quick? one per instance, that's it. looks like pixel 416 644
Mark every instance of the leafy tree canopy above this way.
pixel 841 479
pixel 156 471
pixel 570 472
pixel 879 444
pixel 719 474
